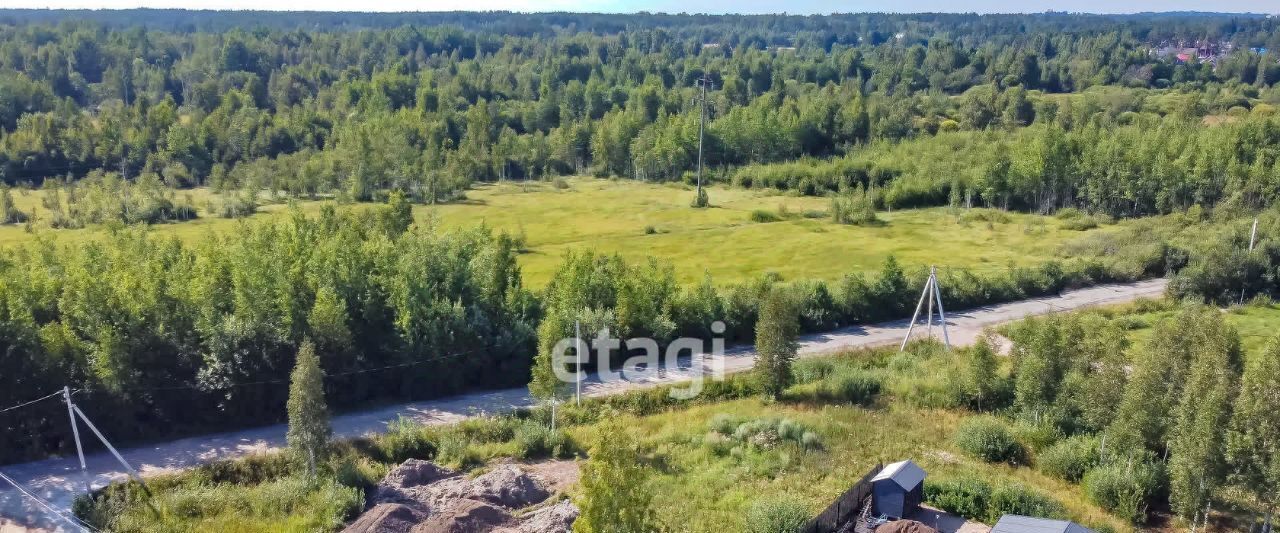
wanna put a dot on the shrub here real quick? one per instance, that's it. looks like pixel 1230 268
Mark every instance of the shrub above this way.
pixel 965 497
pixel 1069 459
pixel 849 388
pixel 1124 489
pixel 777 515
pixel 1017 499
pixel 358 472
pixel 811 370
pixel 994 216
pixel 248 470
pixel 987 438
pixel 1069 213
pixel 405 440
pixel 855 207
pixel 534 440
pixel 763 433
pixel 1080 224
pixel 457 451
pixel 810 441
pixel 1038 436
pixel 650 230
pixel 763 216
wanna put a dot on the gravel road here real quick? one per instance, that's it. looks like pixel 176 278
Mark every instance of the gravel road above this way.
pixel 59 480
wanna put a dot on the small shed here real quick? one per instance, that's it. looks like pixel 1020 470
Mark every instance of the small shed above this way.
pixel 1012 523
pixel 897 490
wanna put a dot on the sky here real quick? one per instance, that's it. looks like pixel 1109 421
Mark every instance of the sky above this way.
pixel 679 6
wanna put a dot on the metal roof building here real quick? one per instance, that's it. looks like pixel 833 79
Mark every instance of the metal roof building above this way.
pixel 898 489
pixel 1012 523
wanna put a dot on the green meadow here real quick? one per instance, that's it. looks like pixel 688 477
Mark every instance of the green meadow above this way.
pixel 640 220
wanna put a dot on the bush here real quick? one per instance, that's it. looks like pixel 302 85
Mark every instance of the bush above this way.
pixel 857 389
pixel 763 216
pixel 358 472
pixel 405 440
pixel 1039 436
pixel 762 433
pixel 811 370
pixel 1070 459
pixel 987 438
pixel 534 440
pixel 248 470
pixel 965 497
pixel 1080 224
pixel 1125 490
pixel 777 515
pixel 855 207
pixel 1069 213
pixel 1020 500
pixel 993 216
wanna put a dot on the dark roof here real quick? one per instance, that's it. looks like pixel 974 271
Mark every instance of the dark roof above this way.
pixel 905 473
pixel 1012 523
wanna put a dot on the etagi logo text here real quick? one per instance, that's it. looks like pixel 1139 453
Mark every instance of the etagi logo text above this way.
pixel 686 362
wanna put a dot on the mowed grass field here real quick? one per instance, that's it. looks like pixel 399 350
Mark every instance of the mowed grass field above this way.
pixel 640 220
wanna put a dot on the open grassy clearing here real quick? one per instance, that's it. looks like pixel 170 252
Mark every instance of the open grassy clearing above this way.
pixel 698 489
pixel 640 220
pixel 704 475
pixel 1257 323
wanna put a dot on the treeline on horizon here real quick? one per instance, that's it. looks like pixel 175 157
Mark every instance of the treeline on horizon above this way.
pixel 428 109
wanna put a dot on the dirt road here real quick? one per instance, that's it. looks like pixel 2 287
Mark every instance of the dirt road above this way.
pixel 59 480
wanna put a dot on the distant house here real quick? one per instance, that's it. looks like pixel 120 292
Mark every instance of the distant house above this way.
pixel 897 490
pixel 1012 523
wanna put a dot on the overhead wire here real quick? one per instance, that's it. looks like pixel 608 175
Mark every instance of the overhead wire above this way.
pixel 285 380
pixel 37 400
pixel 49 507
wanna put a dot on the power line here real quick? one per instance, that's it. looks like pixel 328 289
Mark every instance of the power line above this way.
pixel 285 380
pixel 37 400
pixel 71 519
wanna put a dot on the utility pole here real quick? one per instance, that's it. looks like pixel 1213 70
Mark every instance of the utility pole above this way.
pixel 931 294
pixel 702 83
pixel 577 348
pixel 1253 236
pixel 73 411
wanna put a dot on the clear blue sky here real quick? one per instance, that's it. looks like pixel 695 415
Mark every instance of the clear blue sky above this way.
pixel 689 6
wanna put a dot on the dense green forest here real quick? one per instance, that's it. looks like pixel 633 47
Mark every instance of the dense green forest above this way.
pixel 111 112
pixel 427 103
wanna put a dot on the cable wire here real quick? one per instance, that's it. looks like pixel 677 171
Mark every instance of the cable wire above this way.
pixel 285 380
pixel 37 400
pixel 71 519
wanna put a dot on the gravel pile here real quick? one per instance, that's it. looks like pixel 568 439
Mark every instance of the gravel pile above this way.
pixel 422 497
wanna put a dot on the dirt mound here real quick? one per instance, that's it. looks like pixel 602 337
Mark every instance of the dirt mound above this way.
pixel 905 526
pixel 509 487
pixel 411 482
pixel 553 518
pixel 386 518
pixel 464 516
pixel 415 472
pixel 421 497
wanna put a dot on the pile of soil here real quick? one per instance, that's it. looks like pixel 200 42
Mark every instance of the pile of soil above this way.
pixel 905 526
pixel 422 497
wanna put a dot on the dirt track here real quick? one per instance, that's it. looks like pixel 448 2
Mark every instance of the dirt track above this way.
pixel 59 480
